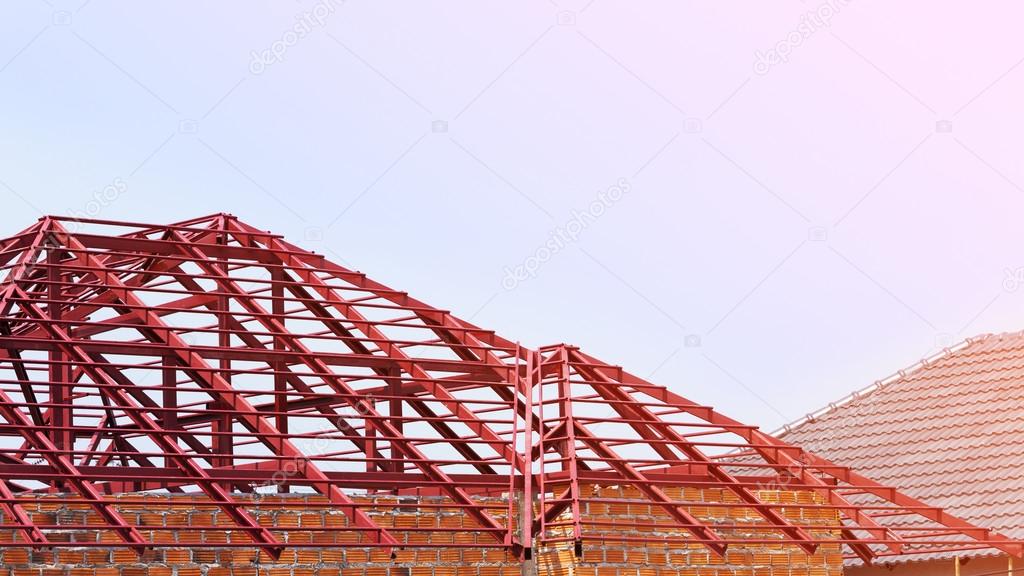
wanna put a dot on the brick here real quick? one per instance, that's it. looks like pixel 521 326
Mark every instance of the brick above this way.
pixel 177 556
pixel 14 556
pixel 337 552
pixel 307 556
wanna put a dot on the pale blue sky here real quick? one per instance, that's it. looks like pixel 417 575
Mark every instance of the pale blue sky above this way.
pixel 791 231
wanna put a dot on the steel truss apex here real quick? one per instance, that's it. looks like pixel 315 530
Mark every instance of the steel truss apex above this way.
pixel 215 363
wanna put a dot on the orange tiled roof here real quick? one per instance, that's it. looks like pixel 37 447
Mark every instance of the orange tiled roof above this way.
pixel 948 431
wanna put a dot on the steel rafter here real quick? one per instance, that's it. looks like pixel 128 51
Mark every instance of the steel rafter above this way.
pixel 211 355
pixel 341 387
pixel 647 424
pixel 394 352
pixel 203 372
pixel 392 373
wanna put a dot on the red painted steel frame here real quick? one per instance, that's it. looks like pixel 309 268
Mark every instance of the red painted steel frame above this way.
pixel 213 358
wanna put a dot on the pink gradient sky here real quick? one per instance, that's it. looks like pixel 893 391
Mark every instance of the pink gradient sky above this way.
pixel 790 233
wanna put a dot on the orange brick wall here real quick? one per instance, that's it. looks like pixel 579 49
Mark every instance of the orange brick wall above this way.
pixel 330 557
pixel 677 558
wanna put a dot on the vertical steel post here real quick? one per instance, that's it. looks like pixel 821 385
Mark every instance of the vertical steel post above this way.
pixel 515 497
pixel 370 430
pixel 277 277
pixel 169 384
pixel 60 386
pixel 569 462
pixel 395 404
pixel 527 512
pixel 223 441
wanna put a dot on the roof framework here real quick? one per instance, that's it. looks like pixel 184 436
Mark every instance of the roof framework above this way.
pixel 211 357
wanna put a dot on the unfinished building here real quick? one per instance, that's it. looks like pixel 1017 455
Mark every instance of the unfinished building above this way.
pixel 205 398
